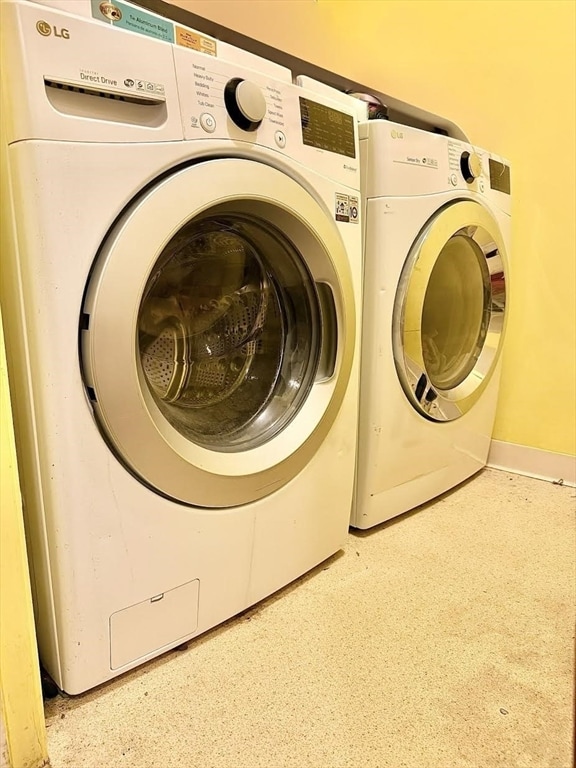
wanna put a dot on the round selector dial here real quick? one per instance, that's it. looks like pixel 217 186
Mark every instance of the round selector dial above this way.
pixel 245 103
pixel 471 166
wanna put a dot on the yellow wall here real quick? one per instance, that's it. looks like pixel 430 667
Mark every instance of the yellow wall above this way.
pixel 504 70
pixel 20 694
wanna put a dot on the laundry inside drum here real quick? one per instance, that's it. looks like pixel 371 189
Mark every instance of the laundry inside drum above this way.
pixel 215 326
pixel 455 313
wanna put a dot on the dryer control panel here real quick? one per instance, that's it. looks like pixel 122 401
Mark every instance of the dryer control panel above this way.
pixel 403 161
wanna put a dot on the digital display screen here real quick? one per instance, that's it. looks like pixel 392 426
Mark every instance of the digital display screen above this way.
pixel 327 128
pixel 499 176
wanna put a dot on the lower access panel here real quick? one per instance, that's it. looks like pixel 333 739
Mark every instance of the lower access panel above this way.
pixel 159 621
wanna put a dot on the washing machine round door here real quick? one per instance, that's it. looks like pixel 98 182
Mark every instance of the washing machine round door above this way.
pixel 449 311
pixel 218 332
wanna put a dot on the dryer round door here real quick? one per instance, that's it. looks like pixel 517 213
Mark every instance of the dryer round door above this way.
pixel 449 311
pixel 218 332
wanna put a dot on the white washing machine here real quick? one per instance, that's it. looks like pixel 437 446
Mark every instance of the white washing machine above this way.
pixel 437 242
pixel 180 291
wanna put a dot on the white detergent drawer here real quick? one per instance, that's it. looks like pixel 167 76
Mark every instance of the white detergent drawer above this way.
pixel 152 624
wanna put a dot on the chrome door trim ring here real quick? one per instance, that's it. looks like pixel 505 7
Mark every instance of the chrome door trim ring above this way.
pixel 472 220
pixel 132 423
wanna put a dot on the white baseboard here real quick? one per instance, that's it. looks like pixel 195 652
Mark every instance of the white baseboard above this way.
pixel 534 462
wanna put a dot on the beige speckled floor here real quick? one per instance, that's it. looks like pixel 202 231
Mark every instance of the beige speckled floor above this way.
pixel 441 640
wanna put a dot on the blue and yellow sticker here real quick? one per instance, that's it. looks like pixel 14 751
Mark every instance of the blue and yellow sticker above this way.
pixel 135 19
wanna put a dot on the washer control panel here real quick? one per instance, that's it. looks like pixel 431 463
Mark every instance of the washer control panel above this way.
pixel 152 90
pixel 225 100
pixel 221 99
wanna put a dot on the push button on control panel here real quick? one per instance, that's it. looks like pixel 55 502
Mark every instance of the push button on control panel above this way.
pixel 208 122
pixel 280 139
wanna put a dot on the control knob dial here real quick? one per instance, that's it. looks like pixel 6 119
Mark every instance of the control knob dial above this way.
pixel 471 166
pixel 245 103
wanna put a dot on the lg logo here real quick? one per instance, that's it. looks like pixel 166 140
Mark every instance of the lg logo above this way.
pixel 46 30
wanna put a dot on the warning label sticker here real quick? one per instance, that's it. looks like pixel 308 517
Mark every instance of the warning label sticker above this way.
pixel 125 16
pixel 190 39
pixel 133 18
pixel 342 207
pixel 346 208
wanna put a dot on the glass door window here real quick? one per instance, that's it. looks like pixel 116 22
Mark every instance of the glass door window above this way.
pixel 455 313
pixel 229 332
pixel 449 311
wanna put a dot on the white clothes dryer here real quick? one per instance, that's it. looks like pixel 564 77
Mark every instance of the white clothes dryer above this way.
pixel 437 242
pixel 180 291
